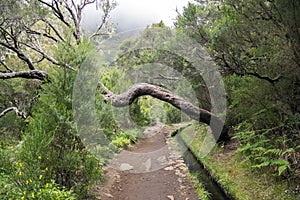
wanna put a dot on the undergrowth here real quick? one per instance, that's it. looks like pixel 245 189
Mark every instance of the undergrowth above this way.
pixel 125 138
pixel 236 174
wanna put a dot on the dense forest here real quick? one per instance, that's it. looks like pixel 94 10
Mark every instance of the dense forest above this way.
pixel 57 131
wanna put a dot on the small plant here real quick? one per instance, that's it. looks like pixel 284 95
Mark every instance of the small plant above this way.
pixel 18 182
pixel 124 139
pixel 121 142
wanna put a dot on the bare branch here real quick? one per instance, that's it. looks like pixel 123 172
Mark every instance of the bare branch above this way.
pixel 31 74
pixel 39 60
pixel 49 58
pixel 56 10
pixel 246 72
pixel 100 27
pixel 54 29
pixel 75 13
pixel 106 91
pixel 194 112
pixel 15 109
pixel 74 5
pixel 30 31
pixel 107 8
pixel 167 77
pixel 5 66
pixel 20 54
pixel 270 80
pixel 86 2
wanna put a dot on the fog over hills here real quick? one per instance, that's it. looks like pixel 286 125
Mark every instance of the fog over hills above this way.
pixel 131 14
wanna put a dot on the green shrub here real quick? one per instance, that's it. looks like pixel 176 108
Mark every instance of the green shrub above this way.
pixel 126 138
pixel 34 190
pixel 173 115
pixel 265 150
pixel 121 142
pixel 264 125
pixel 51 142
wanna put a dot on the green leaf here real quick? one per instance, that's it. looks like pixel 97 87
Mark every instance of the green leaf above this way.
pixel 280 162
pixel 264 164
pixel 281 169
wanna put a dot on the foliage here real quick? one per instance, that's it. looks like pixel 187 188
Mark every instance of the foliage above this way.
pixel 256 47
pixel 126 138
pixel 20 94
pixel 44 156
pixel 18 182
pixel 51 161
pixel 277 154
pixel 235 174
pixel 51 141
pixel 139 111
pixel 173 114
pixel 121 141
pixel 265 131
pixel 163 67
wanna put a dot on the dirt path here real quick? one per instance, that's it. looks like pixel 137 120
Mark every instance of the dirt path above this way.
pixel 150 170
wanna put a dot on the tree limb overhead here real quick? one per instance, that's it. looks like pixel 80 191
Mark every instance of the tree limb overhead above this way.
pixel 194 112
pixel 30 74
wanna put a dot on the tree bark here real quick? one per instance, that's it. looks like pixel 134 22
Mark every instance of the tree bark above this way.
pixel 30 74
pixel 219 130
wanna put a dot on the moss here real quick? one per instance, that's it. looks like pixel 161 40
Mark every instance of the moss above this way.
pixel 235 173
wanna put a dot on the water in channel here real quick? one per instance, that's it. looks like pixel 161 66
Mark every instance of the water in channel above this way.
pixel 195 166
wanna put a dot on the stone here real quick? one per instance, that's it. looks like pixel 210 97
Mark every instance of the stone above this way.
pixel 162 159
pixel 148 164
pixel 108 195
pixel 125 167
pixel 170 168
pixel 182 187
pixel 180 165
pixel 177 172
pixel 171 197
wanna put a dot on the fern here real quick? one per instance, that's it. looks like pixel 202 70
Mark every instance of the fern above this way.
pixel 262 151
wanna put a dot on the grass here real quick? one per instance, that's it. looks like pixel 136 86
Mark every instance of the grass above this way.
pixel 234 173
pixel 200 190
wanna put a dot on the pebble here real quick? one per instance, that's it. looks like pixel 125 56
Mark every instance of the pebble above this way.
pixel 180 165
pixel 180 161
pixel 170 168
pixel 182 187
pixel 171 197
pixel 108 195
pixel 177 172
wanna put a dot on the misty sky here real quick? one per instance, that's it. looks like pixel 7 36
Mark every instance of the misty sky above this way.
pixel 131 14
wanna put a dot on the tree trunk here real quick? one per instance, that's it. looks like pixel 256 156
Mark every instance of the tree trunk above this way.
pixel 219 131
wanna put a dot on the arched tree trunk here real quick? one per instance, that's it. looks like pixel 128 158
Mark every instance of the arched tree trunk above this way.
pixel 219 131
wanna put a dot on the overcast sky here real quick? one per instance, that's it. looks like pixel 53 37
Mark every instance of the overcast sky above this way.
pixel 130 14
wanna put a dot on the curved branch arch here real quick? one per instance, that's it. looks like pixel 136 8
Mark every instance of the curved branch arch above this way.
pixel 194 112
